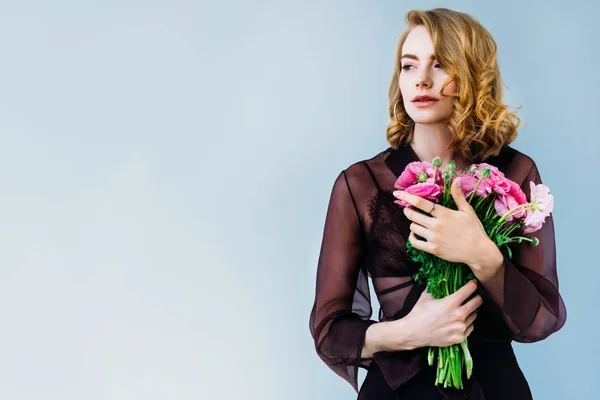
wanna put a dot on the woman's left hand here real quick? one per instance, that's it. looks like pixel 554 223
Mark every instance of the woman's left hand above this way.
pixel 454 235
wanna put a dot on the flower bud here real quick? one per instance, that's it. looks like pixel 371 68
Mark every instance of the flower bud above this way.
pixel 451 166
pixel 445 175
pixel 423 176
pixel 535 241
pixel 486 173
pixel 473 169
pixel 437 162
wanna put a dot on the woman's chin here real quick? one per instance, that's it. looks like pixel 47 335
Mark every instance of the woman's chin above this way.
pixel 430 119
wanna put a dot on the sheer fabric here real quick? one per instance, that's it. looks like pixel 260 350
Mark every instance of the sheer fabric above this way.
pixel 365 235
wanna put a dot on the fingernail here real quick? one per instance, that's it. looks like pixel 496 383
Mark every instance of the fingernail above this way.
pixel 397 193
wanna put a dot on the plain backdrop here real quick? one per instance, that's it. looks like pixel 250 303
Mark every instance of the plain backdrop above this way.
pixel 165 168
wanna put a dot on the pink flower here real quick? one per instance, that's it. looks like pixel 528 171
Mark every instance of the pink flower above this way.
pixel 496 182
pixel 516 192
pixel 514 198
pixel 410 175
pixel 532 227
pixel 429 191
pixel 467 184
pixel 542 204
pixel 504 204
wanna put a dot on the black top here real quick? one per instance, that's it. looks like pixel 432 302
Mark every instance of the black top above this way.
pixel 365 235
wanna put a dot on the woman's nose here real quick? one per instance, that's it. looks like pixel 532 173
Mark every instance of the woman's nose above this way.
pixel 421 83
pixel 423 80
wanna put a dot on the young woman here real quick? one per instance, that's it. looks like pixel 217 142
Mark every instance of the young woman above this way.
pixel 445 100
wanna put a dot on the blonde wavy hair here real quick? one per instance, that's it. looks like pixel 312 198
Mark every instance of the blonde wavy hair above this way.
pixel 481 124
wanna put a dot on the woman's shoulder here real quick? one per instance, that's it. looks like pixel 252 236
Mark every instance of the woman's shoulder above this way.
pixel 510 157
pixel 515 164
pixel 361 168
pixel 521 156
pixel 361 172
pixel 370 161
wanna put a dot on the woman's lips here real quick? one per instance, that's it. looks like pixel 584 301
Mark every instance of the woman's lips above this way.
pixel 424 103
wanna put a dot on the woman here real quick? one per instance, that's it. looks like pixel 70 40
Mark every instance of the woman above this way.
pixel 445 100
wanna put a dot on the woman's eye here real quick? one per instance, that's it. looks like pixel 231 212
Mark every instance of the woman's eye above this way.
pixel 408 66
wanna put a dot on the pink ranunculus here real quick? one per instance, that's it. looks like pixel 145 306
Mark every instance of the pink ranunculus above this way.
pixel 504 204
pixel 508 202
pixel 493 169
pixel 536 226
pixel 500 185
pixel 467 184
pixel 487 184
pixel 516 197
pixel 429 191
pixel 501 208
pixel 542 204
pixel 517 192
pixel 496 182
pixel 410 175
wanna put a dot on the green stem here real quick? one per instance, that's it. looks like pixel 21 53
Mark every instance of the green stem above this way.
pixel 431 355
pixel 456 349
pixel 455 284
pixel 516 239
pixel 446 189
pixel 479 201
pixel 445 366
pixel 500 222
pixel 509 229
pixel 447 280
pixel 513 211
pixel 475 188
pixel 490 206
pixel 448 374
pixel 468 359
pixel 453 368
pixel 440 366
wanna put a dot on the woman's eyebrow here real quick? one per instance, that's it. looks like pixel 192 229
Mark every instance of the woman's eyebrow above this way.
pixel 432 57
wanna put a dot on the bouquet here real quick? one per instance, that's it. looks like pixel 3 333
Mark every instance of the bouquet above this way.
pixel 502 208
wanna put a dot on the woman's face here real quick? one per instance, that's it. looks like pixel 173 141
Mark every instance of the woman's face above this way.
pixel 421 75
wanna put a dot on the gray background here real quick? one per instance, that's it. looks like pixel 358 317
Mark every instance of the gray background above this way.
pixel 165 168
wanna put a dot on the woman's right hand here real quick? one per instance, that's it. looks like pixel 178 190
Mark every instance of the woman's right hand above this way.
pixel 443 322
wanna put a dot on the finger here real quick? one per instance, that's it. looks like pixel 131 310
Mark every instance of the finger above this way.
pixel 420 244
pixel 462 294
pixel 416 201
pixel 420 230
pixel 471 318
pixel 469 330
pixel 472 305
pixel 419 218
pixel 458 196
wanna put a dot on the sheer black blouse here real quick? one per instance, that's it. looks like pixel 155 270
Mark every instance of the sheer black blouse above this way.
pixel 365 234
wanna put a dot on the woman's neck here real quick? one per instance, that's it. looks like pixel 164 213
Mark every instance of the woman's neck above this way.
pixel 431 140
